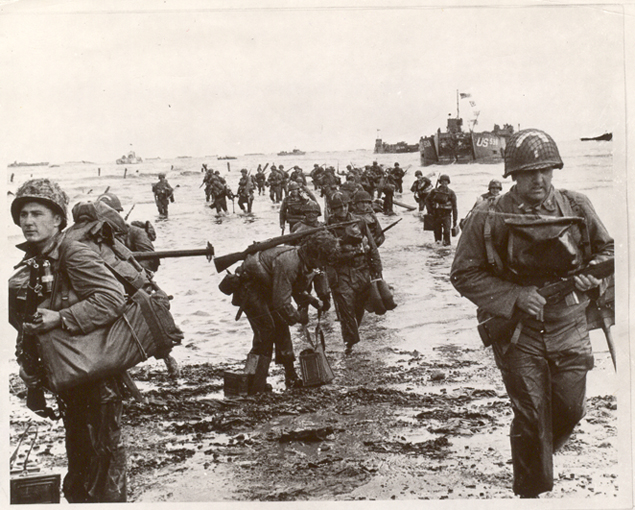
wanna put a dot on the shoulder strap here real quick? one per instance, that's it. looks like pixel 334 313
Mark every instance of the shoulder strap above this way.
pixel 493 258
pixel 578 211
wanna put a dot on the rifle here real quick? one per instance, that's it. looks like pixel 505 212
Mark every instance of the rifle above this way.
pixel 126 217
pixel 494 328
pixel 230 259
pixel 391 225
pixel 556 291
pixel 151 255
pixel 27 350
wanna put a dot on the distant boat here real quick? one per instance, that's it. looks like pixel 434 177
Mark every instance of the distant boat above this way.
pixel 294 152
pixel 606 137
pixel 16 164
pixel 226 157
pixel 130 159
pixel 458 146
pixel 382 147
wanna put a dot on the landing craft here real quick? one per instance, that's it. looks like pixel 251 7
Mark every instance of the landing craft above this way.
pixel 458 146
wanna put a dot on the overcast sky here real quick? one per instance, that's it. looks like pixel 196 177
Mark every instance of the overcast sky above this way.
pixel 180 78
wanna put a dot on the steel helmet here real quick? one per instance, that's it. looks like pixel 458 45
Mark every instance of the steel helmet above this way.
pixel 293 186
pixel 243 171
pixel 338 200
pixel 112 200
pixel 311 207
pixel 161 174
pixel 444 177
pixel 495 184
pixel 362 196
pixel 418 173
pixel 531 149
pixel 43 191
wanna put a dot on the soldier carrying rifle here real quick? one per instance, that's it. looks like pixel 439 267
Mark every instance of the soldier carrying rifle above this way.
pixel 512 246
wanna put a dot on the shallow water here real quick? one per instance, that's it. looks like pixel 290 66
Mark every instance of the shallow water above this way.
pixel 430 312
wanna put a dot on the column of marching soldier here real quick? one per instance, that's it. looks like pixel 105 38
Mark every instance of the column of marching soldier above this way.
pixel 513 247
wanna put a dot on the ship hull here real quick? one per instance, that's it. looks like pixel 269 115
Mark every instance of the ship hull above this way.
pixel 461 148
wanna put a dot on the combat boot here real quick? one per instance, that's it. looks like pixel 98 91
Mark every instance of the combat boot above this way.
pixel 291 379
pixel 259 379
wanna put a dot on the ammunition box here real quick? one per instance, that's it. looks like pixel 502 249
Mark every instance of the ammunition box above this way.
pixel 27 490
pixel 311 367
pixel 236 384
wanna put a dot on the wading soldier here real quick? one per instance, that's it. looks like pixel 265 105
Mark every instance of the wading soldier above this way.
pixel 421 188
pixel 90 298
pixel 163 194
pixel 441 203
pixel 138 236
pixel 350 276
pixel 512 246
pixel 268 281
pixel 245 191
pixel 291 209
pixel 363 207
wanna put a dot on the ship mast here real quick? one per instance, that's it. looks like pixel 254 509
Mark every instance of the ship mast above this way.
pixel 457 104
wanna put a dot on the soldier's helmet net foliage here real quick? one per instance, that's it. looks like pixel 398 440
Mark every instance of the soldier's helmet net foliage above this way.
pixel 531 149
pixel 43 191
pixel 321 246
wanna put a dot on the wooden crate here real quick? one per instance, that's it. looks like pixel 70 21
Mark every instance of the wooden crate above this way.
pixel 33 489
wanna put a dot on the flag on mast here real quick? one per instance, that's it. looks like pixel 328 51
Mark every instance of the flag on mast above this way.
pixel 464 95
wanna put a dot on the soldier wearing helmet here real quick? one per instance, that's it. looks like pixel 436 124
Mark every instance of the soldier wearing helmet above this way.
pixel 137 236
pixel 398 174
pixel 511 246
pixel 421 187
pixel 163 194
pixel 90 298
pixel 245 191
pixel 363 207
pixel 441 204
pixel 291 208
pixel 351 274
pixel 312 212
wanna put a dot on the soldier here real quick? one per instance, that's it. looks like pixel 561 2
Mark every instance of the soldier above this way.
pixel 316 176
pixel 350 276
pixel 138 236
pixel 261 178
pixel 542 350
pixel 421 187
pixel 208 180
pixel 245 191
pixel 441 203
pixel 298 176
pixel 363 207
pixel 268 281
pixel 398 174
pixel 92 299
pixel 163 194
pixel 387 186
pixel 291 209
pixel 220 194
pixel 275 181
pixel 350 187
pixel 312 212
pixel 494 189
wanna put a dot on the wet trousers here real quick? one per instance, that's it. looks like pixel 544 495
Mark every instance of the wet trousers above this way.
pixel 388 201
pixel 443 226
pixel 245 201
pixel 269 328
pixel 545 377
pixel 275 192
pixel 162 206
pixel 351 289
pixel 96 454
pixel 220 204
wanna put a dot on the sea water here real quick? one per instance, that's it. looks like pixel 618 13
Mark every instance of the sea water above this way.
pixel 430 312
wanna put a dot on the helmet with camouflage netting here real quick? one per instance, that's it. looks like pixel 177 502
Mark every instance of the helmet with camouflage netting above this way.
pixel 43 191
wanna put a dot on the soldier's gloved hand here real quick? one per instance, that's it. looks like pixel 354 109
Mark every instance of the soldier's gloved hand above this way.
pixel 530 301
pixel 31 381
